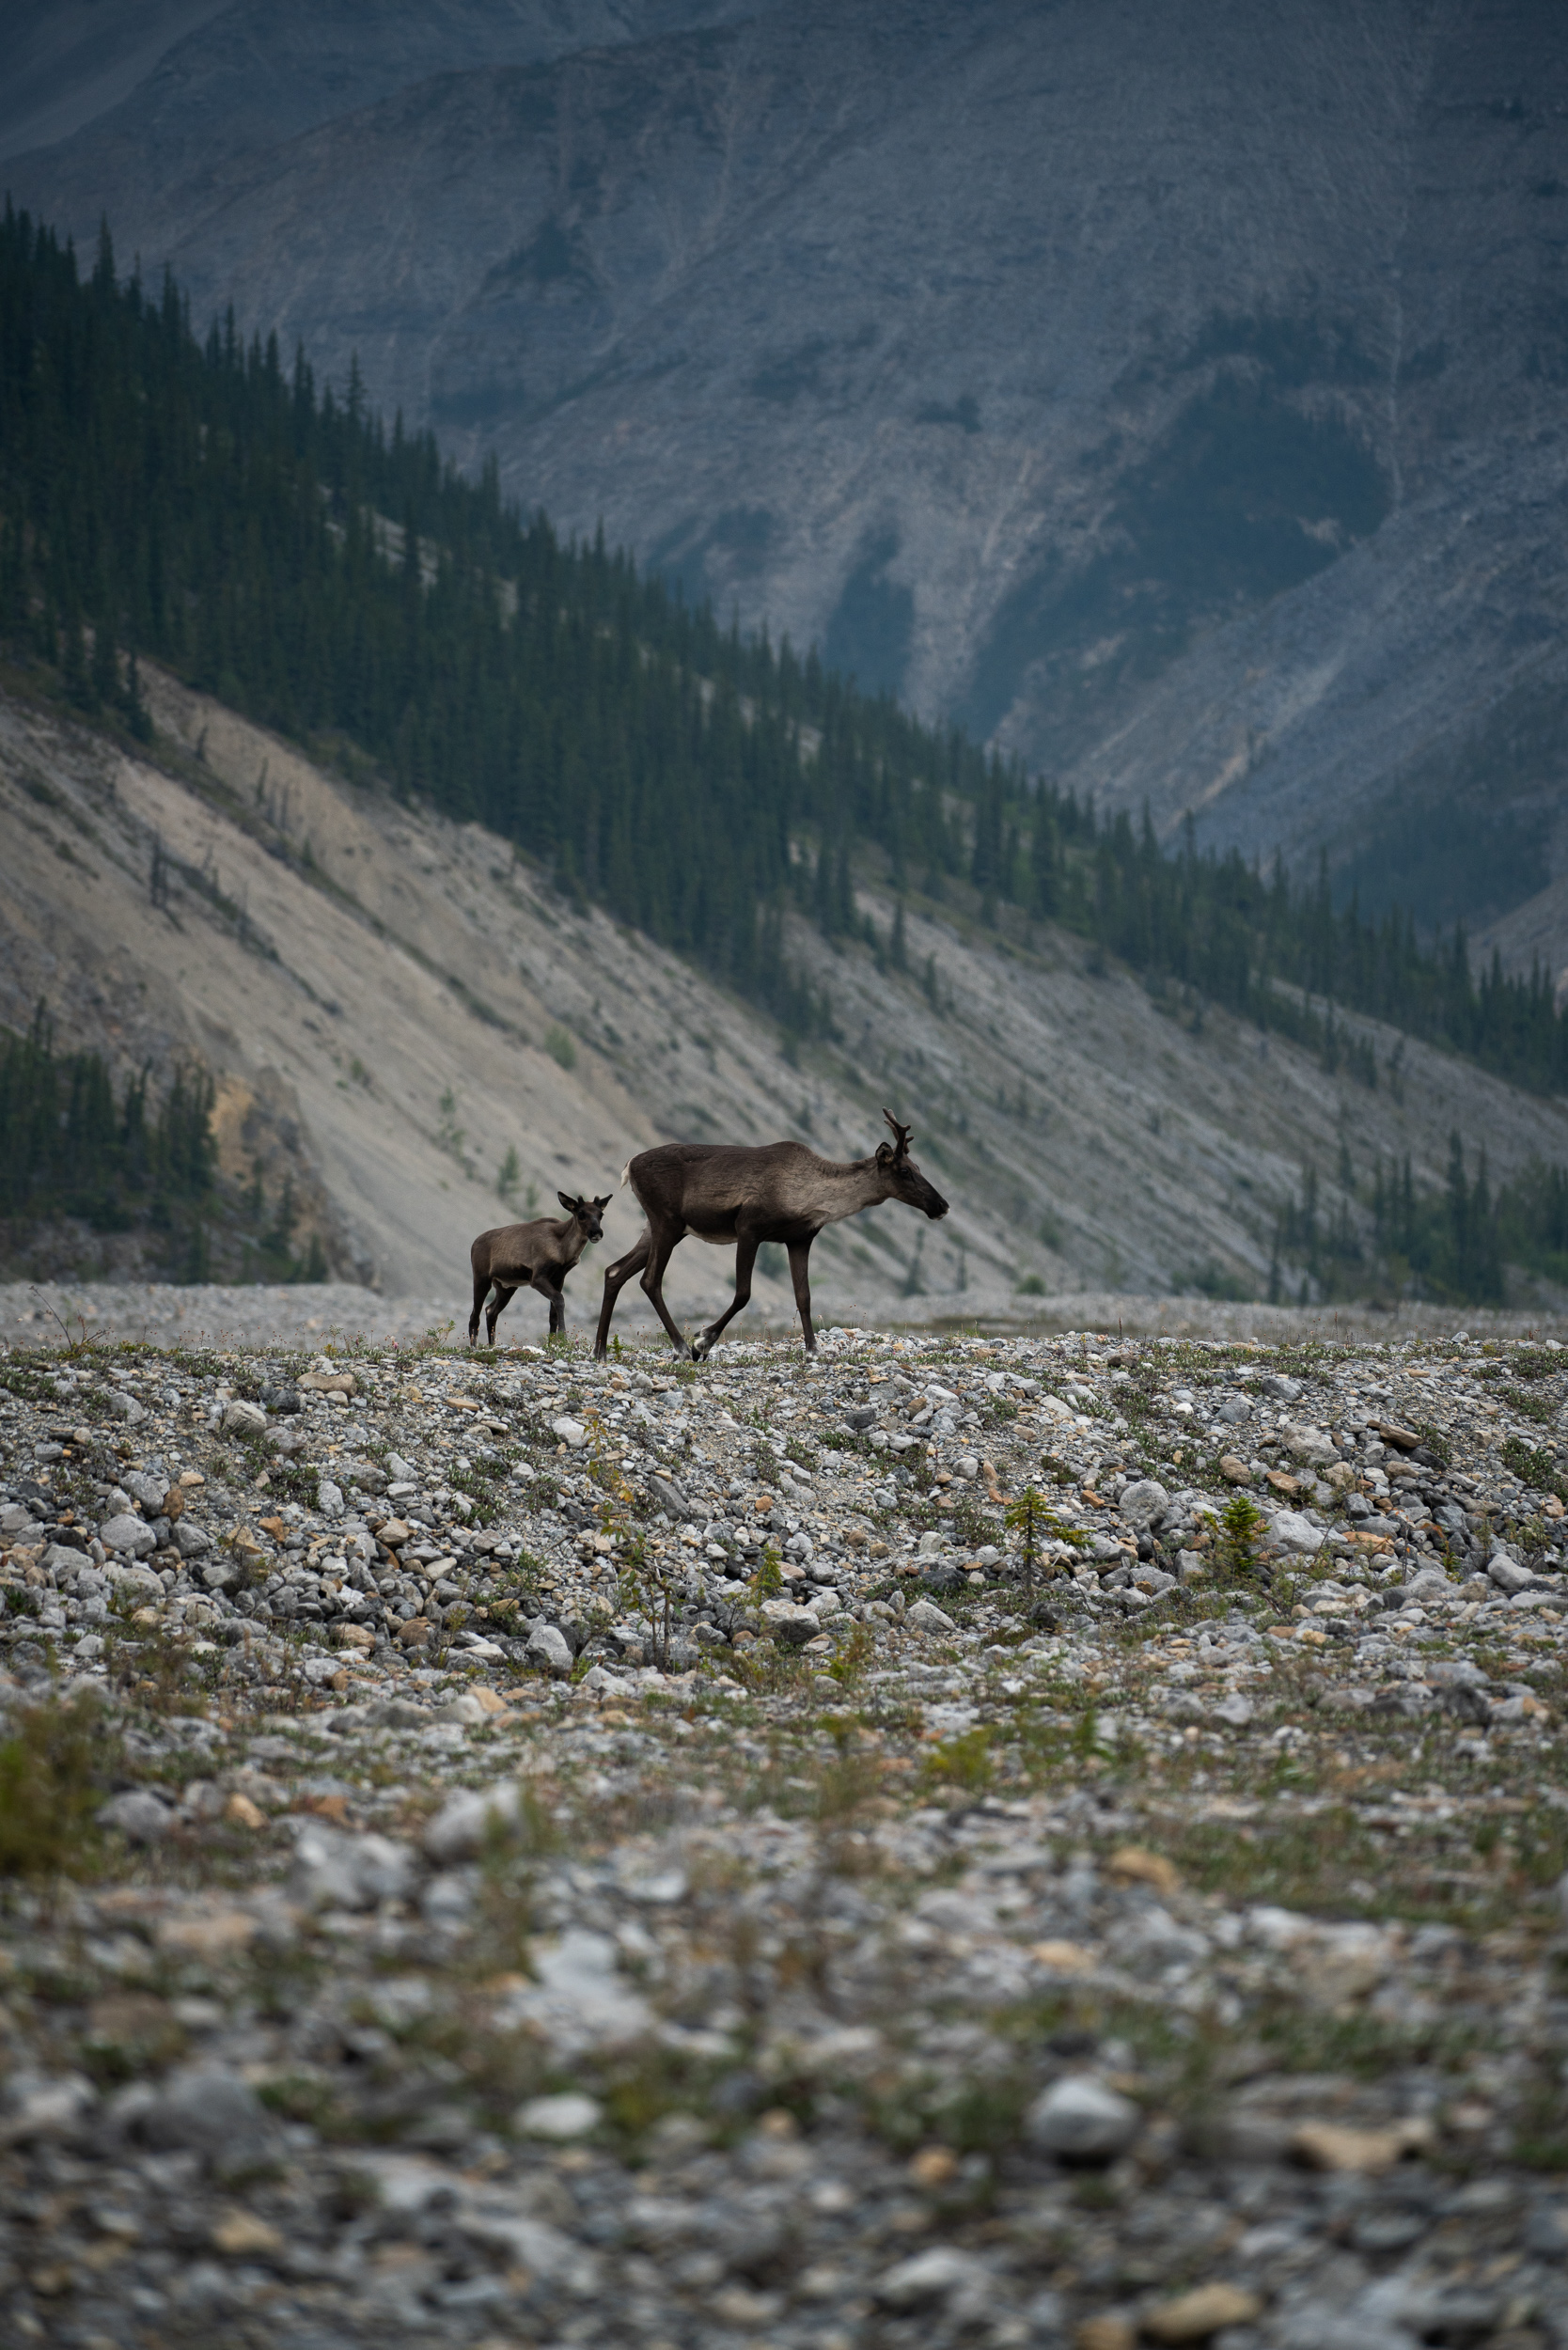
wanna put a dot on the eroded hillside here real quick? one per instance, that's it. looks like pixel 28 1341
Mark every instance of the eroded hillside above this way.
pixel 400 1003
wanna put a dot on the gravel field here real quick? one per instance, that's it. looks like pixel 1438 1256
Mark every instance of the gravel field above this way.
pixel 989 1841
pixel 262 1314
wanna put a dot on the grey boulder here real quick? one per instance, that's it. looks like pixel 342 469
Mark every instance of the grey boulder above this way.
pixel 207 2109
pixel 335 1870
pixel 128 1534
pixel 464 1825
pixel 1143 1501
pixel 139 1817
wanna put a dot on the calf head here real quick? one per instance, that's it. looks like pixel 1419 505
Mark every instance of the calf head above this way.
pixel 588 1212
pixel 904 1179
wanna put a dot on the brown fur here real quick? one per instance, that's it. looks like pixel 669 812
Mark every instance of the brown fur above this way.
pixel 731 1194
pixel 532 1256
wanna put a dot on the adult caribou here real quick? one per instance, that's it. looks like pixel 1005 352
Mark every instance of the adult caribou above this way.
pixel 532 1256
pixel 728 1193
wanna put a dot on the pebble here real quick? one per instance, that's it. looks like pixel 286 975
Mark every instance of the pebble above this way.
pixel 1083 2120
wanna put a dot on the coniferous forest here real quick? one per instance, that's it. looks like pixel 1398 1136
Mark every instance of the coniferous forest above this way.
pixel 277 545
pixel 204 502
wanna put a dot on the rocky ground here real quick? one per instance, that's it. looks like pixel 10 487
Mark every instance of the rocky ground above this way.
pixel 985 1841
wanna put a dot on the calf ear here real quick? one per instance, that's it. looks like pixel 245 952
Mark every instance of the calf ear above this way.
pixel 605 1202
pixel 571 1206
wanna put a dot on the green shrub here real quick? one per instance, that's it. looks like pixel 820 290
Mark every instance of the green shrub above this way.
pixel 55 1775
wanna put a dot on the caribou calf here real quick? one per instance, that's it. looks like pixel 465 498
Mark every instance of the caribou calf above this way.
pixel 726 1193
pixel 534 1256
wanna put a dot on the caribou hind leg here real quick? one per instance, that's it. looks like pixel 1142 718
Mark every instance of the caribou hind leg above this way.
pixel 482 1290
pixel 800 1260
pixel 554 1293
pixel 659 1255
pixel 616 1277
pixel 499 1305
pixel 745 1259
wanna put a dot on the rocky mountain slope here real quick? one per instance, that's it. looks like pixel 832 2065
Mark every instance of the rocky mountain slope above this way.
pixel 413 1925
pixel 1175 392
pixel 392 1003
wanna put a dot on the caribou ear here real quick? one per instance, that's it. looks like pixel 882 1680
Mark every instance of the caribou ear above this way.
pixel 884 1153
pixel 571 1206
pixel 604 1203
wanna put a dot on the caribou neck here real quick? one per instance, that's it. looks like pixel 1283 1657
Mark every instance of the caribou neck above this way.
pixel 845 1189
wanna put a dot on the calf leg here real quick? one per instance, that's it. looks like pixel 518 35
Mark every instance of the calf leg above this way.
pixel 616 1277
pixel 745 1258
pixel 554 1293
pixel 498 1303
pixel 800 1255
pixel 482 1290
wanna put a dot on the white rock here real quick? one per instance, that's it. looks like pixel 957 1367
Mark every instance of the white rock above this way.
pixel 1507 1573
pixel 1083 2120
pixel 604 1685
pixel 548 1646
pixel 570 1431
pixel 466 1709
pixel 191 1541
pixel 941 2274
pixel 570 2115
pixel 1290 1530
pixel 43 2105
pixel 126 1407
pixel 926 1617
pixel 243 1420
pixel 402 1472
pixel 826 1603
pixel 578 1996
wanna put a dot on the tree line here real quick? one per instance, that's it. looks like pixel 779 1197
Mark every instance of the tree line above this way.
pixel 276 544
pixel 1451 1246
pixel 71 1146
pixel 74 1145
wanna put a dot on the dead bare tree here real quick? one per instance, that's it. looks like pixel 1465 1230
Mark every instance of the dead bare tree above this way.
pixel 728 1193
pixel 534 1256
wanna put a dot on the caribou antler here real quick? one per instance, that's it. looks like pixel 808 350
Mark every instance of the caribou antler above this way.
pixel 901 1134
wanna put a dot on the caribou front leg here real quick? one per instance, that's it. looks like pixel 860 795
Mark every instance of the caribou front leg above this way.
pixel 745 1258
pixel 800 1255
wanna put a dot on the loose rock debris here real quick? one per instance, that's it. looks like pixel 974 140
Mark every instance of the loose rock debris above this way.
pixel 960 1841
